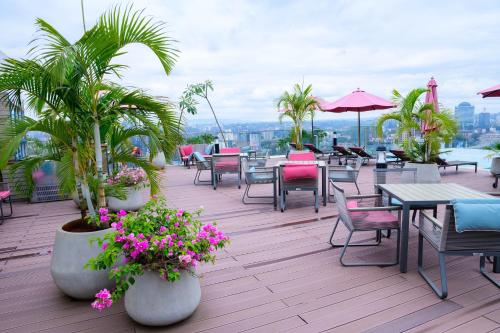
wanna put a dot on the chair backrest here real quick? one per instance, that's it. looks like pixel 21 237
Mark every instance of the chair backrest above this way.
pixel 204 164
pixel 313 148
pixel 360 151
pixel 230 150
pixel 304 174
pixel 341 150
pixel 341 201
pixel 306 156
pixel 186 150
pixel 440 161
pixel 473 241
pixel 395 176
pixel 208 149
pixel 399 154
pixel 226 163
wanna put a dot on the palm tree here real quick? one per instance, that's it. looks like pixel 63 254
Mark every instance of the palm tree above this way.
pixel 71 79
pixel 297 106
pixel 411 113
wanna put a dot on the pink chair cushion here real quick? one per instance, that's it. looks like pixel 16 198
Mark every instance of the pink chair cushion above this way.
pixel 296 171
pixel 374 217
pixel 4 194
pixel 234 150
pixel 352 204
pixel 301 157
pixel 186 150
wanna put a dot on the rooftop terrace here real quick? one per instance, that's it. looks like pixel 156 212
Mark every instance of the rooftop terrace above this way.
pixel 278 274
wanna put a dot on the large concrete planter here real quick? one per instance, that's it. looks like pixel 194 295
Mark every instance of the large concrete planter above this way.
pixel 136 199
pixel 71 252
pixel 426 173
pixel 159 161
pixel 495 165
pixel 153 301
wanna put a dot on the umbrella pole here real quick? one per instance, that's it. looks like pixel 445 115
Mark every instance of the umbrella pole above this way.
pixel 359 129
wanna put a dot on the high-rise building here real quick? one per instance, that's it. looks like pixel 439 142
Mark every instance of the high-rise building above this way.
pixel 484 121
pixel 464 114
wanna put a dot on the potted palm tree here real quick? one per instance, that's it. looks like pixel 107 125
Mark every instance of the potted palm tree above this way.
pixel 297 106
pixel 421 146
pixel 65 85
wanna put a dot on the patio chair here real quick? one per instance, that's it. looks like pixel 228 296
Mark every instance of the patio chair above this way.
pixel 344 174
pixel 301 156
pixel 185 153
pixel 445 239
pixel 401 157
pixel 5 197
pixel 399 176
pixel 298 177
pixel 202 164
pixel 361 152
pixel 357 219
pixel 347 155
pixel 256 175
pixel 442 163
pixel 223 164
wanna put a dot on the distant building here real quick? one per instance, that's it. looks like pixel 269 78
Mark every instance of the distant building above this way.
pixel 484 121
pixel 464 114
pixel 254 139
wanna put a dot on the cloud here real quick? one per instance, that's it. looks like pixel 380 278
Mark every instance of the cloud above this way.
pixel 254 50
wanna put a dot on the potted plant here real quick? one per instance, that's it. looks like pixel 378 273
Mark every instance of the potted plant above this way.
pixel 136 185
pixel 80 108
pixel 297 106
pixel 495 158
pixel 422 146
pixel 153 255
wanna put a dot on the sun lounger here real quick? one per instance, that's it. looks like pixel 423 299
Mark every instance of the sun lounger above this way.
pixel 442 163
pixel 347 155
pixel 401 157
pixel 362 153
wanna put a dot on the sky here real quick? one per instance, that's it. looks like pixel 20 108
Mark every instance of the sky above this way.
pixel 255 50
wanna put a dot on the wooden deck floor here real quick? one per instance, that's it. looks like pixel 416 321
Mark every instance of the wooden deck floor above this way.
pixel 278 274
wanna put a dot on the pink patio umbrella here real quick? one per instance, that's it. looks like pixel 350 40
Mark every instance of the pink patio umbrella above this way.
pixel 491 92
pixel 357 101
pixel 431 98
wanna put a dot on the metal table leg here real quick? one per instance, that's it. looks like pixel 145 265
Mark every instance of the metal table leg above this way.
pixel 323 185
pixel 405 224
pixel 496 265
pixel 275 195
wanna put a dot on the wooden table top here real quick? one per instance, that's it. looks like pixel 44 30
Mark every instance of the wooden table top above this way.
pixel 437 193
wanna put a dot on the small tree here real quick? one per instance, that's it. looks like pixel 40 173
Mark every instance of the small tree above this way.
pixel 200 90
pixel 297 106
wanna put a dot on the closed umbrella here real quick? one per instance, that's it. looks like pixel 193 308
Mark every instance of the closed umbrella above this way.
pixel 431 98
pixel 357 101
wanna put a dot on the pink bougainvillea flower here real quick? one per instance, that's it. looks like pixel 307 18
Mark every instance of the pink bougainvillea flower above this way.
pixel 163 229
pixel 180 243
pixel 121 213
pixel 103 211
pixel 176 224
pixel 104 247
pixel 185 259
pixel 103 300
pixel 104 218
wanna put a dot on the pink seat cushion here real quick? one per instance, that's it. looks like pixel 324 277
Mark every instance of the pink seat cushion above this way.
pixel 234 150
pixel 373 217
pixel 352 204
pixel 4 194
pixel 186 150
pixel 226 166
pixel 301 157
pixel 295 172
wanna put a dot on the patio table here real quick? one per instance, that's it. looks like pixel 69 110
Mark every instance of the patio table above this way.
pixel 425 195
pixel 321 164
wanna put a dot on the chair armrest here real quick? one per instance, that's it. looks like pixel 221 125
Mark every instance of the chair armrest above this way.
pixel 495 194
pixel 364 196
pixel 371 209
pixel 431 219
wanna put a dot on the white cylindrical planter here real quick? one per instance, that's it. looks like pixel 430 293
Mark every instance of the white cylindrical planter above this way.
pixel 426 173
pixel 153 301
pixel 159 161
pixel 136 199
pixel 71 252
pixel 495 165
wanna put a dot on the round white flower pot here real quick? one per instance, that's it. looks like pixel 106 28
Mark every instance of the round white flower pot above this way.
pixel 159 161
pixel 136 199
pixel 71 252
pixel 495 165
pixel 153 301
pixel 426 173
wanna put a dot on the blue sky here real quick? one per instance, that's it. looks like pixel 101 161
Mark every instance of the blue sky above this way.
pixel 254 50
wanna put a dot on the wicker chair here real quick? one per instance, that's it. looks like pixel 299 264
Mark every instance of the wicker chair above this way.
pixel 256 174
pixel 5 196
pixel 365 219
pixel 444 238
pixel 223 164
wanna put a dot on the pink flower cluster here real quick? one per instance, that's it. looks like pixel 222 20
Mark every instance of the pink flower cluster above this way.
pixel 103 300
pixel 129 177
